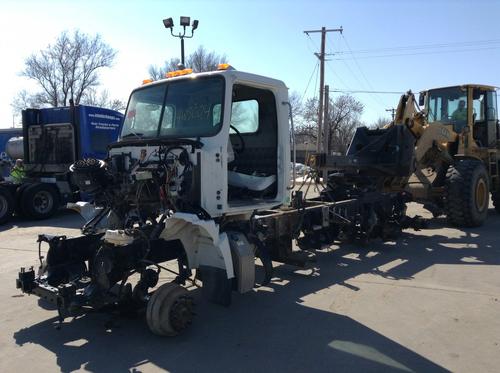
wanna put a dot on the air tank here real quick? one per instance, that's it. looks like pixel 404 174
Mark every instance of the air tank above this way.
pixel 15 148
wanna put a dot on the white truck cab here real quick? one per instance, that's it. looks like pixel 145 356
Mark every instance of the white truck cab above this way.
pixel 241 123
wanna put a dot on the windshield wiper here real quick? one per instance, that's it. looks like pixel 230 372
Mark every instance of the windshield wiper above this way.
pixel 136 134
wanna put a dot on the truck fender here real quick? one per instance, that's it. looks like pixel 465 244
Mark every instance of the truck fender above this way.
pixel 203 244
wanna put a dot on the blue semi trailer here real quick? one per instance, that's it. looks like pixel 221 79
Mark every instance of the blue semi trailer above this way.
pixel 53 139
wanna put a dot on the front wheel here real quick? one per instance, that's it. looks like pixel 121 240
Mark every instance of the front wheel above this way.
pixel 467 193
pixel 170 310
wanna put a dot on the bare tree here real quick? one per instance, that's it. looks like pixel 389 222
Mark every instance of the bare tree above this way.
pixel 342 120
pixel 200 60
pixel 380 122
pixel 297 107
pixel 23 100
pixel 158 72
pixel 102 99
pixel 68 68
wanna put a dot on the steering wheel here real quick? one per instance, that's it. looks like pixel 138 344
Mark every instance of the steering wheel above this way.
pixel 241 148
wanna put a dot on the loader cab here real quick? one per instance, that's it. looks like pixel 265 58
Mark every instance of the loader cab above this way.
pixel 466 106
pixel 484 116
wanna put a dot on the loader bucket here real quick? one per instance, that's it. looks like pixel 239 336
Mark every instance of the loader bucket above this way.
pixel 387 152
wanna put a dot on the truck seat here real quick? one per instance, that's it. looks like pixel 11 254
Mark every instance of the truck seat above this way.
pixel 250 182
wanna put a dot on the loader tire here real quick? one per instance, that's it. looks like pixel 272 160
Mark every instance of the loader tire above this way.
pixel 467 193
pixel 7 205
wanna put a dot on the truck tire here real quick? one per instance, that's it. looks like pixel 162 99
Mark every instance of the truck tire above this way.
pixel 19 197
pixel 169 310
pixel 7 204
pixel 467 193
pixel 40 201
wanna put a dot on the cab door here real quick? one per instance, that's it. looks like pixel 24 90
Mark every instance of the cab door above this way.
pixel 492 117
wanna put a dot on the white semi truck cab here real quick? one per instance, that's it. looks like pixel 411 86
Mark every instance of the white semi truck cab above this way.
pixel 239 125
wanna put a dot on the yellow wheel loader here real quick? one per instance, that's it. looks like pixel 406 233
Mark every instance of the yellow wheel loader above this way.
pixel 445 155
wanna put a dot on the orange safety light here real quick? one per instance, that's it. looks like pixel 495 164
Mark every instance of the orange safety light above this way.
pixel 173 74
pixel 223 66
pixel 147 81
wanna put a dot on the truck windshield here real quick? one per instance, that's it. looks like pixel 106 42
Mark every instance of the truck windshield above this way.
pixel 448 105
pixel 183 108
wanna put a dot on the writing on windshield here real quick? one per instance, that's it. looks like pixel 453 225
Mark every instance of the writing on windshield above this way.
pixel 183 108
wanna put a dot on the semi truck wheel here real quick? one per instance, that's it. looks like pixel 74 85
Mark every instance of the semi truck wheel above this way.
pixel 467 193
pixel 40 201
pixel 19 198
pixel 7 205
pixel 170 310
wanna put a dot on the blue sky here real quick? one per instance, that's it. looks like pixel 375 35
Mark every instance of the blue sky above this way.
pixel 266 37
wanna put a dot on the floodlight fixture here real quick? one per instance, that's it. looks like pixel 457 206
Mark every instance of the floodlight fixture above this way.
pixel 168 23
pixel 185 21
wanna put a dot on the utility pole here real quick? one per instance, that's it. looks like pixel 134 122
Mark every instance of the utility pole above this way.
pixel 321 56
pixel 326 126
pixel 326 121
pixel 392 111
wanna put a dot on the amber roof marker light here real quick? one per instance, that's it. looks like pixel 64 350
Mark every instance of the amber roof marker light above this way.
pixel 184 22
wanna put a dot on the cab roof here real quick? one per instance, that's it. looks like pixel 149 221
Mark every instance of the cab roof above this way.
pixel 480 86
pixel 238 75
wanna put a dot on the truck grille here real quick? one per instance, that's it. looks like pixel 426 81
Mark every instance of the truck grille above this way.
pixel 51 144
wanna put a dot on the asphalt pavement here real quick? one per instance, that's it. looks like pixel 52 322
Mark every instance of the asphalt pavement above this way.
pixel 428 302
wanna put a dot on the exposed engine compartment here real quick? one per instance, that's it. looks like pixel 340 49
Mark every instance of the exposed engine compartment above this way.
pixel 134 197
pixel 135 192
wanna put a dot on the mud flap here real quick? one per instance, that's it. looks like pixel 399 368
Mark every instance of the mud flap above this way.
pixel 217 287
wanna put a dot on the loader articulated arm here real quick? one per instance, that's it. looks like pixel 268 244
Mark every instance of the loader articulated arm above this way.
pixel 408 114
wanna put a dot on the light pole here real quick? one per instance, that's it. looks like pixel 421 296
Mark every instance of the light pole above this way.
pixel 184 21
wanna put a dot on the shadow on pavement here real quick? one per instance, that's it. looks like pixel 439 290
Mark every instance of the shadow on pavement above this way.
pixel 62 219
pixel 259 332
pixel 269 329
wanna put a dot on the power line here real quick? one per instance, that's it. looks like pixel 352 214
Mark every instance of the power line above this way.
pixel 377 101
pixel 365 91
pixel 424 46
pixel 338 77
pixel 310 79
pixel 349 68
pixel 359 68
pixel 420 53
pixel 375 108
pixel 349 90
pixel 316 85
pixel 313 44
